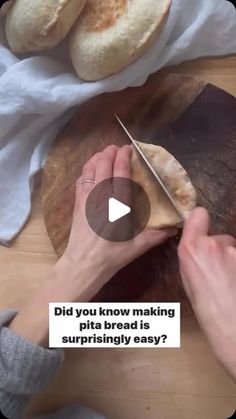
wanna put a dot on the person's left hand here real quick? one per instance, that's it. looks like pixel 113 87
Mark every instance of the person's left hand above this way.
pixel 85 249
pixel 89 261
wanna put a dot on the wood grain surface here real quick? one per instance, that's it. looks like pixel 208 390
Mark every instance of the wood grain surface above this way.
pixel 195 122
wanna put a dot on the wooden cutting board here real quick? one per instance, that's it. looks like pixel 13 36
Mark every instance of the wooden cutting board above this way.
pixel 196 122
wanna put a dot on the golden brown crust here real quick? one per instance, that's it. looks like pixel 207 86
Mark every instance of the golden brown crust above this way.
pixel 106 41
pixel 36 25
pixel 103 14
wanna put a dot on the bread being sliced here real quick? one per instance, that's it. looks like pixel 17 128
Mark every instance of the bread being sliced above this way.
pixel 34 25
pixel 111 34
pixel 174 176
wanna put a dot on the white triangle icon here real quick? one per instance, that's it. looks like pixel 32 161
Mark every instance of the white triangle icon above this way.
pixel 117 210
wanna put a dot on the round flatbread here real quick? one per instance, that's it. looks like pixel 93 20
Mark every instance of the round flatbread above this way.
pixel 5 7
pixel 34 25
pixel 163 214
pixel 111 34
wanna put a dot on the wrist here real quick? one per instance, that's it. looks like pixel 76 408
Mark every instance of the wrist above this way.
pixel 67 283
pixel 79 281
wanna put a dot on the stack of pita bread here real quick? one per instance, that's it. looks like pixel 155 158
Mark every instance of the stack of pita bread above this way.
pixel 106 35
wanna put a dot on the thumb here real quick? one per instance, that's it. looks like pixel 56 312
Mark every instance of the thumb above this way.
pixel 151 238
pixel 197 224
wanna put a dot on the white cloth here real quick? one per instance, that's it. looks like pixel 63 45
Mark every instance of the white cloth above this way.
pixel 37 90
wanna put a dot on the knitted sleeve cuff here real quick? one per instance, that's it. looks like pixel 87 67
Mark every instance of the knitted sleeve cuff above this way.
pixel 25 368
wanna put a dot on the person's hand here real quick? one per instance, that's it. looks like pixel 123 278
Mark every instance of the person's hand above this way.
pixel 208 270
pixel 89 261
pixel 86 250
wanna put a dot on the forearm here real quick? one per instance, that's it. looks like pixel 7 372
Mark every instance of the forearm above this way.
pixel 25 368
pixel 64 285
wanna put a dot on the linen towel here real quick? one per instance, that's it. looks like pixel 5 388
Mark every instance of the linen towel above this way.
pixel 38 92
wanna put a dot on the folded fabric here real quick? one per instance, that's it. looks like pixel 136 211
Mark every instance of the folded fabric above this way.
pixel 25 368
pixel 38 91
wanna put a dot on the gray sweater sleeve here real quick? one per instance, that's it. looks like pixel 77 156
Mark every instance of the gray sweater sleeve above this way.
pixel 25 368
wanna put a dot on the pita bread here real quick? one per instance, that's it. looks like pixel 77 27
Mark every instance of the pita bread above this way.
pixel 33 25
pixel 5 7
pixel 175 178
pixel 111 34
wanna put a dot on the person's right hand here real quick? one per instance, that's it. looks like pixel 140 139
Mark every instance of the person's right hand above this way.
pixel 208 270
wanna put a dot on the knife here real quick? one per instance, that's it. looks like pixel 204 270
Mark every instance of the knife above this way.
pixel 155 174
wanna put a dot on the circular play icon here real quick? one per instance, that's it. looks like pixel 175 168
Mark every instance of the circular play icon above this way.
pixel 118 209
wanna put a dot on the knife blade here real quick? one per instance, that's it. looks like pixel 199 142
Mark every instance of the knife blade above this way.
pixel 153 171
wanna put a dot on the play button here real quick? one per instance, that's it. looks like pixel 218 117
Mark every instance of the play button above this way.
pixel 111 209
pixel 117 210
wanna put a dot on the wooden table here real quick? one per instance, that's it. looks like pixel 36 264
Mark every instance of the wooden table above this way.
pixel 184 383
